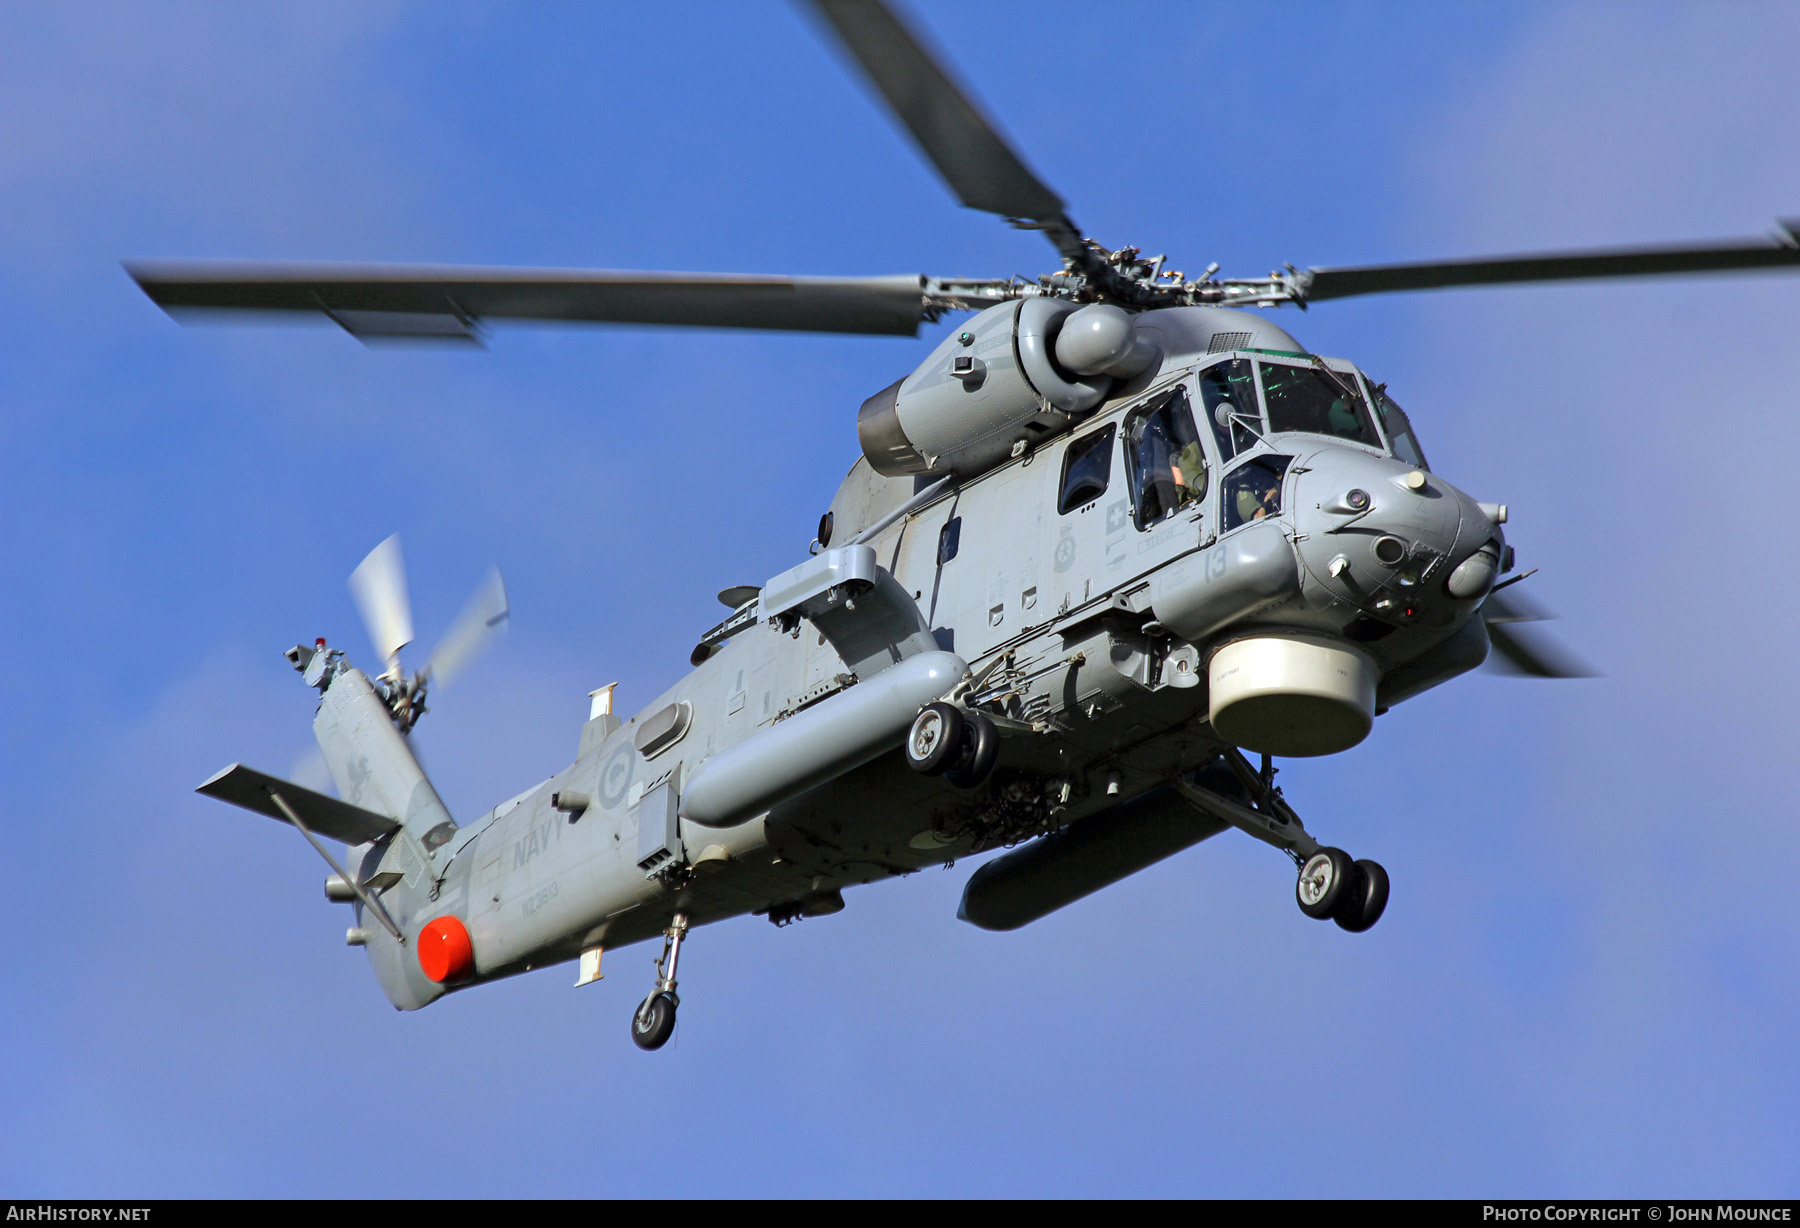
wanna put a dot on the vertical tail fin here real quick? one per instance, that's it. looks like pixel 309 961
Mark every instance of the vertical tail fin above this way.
pixel 371 763
pixel 375 770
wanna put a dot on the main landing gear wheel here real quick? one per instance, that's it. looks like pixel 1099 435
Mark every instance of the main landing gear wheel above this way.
pixel 1325 880
pixel 1331 885
pixel 935 740
pixel 654 1021
pixel 981 742
pixel 959 746
pixel 1361 906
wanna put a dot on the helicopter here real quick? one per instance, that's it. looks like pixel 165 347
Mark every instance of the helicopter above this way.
pixel 1112 534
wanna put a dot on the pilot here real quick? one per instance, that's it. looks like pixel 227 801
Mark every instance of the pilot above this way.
pixel 1248 507
pixel 1259 501
pixel 1189 471
pixel 1268 500
pixel 1342 420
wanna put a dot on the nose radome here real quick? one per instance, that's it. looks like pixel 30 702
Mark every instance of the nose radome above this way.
pixel 1371 525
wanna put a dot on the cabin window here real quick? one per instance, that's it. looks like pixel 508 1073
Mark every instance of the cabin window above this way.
pixel 1397 428
pixel 1253 490
pixel 1168 468
pixel 1087 468
pixel 1228 399
pixel 1317 401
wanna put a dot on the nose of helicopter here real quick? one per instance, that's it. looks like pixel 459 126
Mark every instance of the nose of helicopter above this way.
pixel 1392 540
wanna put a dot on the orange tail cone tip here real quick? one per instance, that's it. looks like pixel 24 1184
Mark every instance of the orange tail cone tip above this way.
pixel 445 952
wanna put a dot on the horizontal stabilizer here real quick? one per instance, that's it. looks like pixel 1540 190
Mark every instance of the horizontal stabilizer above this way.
pixel 251 789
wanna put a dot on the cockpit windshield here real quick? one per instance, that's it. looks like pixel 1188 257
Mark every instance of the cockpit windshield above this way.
pixel 1228 398
pixel 1316 400
pixel 1395 426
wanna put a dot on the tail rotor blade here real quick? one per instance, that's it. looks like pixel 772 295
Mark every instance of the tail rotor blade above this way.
pixel 483 618
pixel 379 586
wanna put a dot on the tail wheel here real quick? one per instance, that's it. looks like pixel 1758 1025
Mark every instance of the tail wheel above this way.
pixel 936 739
pixel 1326 878
pixel 654 1021
pixel 1362 907
pixel 982 747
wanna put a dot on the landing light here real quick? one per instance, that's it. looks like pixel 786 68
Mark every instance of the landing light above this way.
pixel 1389 551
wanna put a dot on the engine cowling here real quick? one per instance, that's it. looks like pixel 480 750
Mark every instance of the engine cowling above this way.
pixel 1002 378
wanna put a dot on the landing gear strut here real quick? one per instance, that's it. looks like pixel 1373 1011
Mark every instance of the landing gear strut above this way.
pixel 1331 885
pixel 654 1021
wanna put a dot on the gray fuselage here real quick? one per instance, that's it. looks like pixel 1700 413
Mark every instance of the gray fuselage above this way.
pixel 1080 623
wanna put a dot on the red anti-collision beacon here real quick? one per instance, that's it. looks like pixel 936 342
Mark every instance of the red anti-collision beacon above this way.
pixel 445 952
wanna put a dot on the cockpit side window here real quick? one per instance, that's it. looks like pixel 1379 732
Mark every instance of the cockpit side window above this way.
pixel 1253 490
pixel 1087 468
pixel 1397 428
pixel 1317 401
pixel 1168 466
pixel 1228 392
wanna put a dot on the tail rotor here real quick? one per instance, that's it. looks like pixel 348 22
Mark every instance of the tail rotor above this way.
pixel 483 617
pixel 378 586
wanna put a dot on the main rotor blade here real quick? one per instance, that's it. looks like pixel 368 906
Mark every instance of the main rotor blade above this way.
pixel 379 586
pixel 1509 605
pixel 419 301
pixel 1779 251
pixel 483 618
pixel 1524 652
pixel 971 155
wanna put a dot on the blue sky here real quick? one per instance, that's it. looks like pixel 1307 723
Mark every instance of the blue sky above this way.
pixel 1588 981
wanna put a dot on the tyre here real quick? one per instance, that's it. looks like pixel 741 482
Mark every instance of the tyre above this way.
pixel 935 740
pixel 1363 907
pixel 654 1021
pixel 1324 879
pixel 982 741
